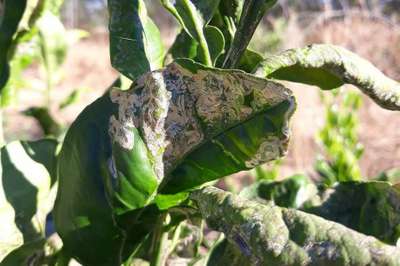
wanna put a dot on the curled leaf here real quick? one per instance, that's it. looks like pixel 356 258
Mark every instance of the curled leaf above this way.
pixel 329 67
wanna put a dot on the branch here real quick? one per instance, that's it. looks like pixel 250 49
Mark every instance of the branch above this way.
pixel 279 236
pixel 329 67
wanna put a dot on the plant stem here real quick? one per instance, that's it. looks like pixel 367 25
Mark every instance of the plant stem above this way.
pixel 268 234
pixel 159 245
pixel 204 49
pixel 253 11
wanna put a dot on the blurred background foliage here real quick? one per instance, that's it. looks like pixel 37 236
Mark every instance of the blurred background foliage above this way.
pixel 61 65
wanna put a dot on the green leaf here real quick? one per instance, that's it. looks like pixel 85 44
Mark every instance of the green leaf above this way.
pixel 27 196
pixel 126 143
pixel 270 235
pixel 165 202
pixel 82 211
pixel 372 208
pixel 326 172
pixel 329 67
pixel 97 185
pixel 216 43
pixel 292 192
pixel 252 13
pixel 135 41
pixel 249 61
pixel 231 9
pixel 185 46
pixel 193 17
pixel 30 252
pixel 238 126
pixel 13 12
pixel 391 175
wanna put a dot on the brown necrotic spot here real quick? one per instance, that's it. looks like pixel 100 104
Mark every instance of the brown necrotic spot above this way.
pixel 175 110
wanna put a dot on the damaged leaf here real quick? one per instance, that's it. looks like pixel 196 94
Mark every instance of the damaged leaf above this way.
pixel 329 67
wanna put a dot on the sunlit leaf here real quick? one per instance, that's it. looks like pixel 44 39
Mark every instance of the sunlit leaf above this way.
pixel 135 41
pixel 329 67
pixel 26 197
pixel 193 17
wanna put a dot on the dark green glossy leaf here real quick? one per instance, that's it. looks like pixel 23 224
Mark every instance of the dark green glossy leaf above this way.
pixel 184 46
pixel 292 192
pixel 82 212
pixel 96 190
pixel 252 13
pixel 329 67
pixel 135 41
pixel 372 208
pixel 193 17
pixel 13 12
pixel 27 196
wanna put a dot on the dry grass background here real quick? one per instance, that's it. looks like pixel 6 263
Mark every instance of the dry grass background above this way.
pixel 374 38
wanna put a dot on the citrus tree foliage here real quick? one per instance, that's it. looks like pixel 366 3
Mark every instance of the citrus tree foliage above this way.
pixel 135 166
